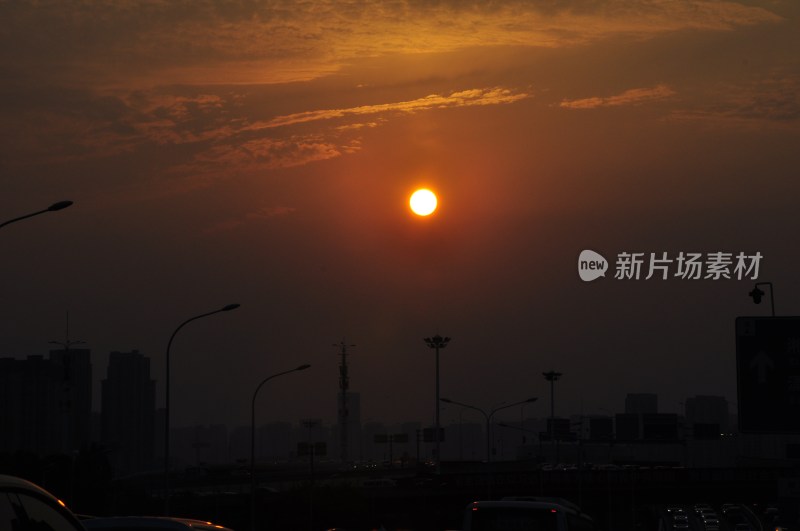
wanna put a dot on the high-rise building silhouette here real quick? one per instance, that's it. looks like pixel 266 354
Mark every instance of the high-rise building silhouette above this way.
pixel 28 405
pixel 601 428
pixel 128 412
pixel 46 404
pixel 275 440
pixel 627 426
pixel 641 403
pixel 659 426
pixel 74 397
pixel 707 411
pixel 199 445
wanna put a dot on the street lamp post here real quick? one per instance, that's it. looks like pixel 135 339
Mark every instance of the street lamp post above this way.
pixel 522 429
pixel 61 205
pixel 437 342
pixel 227 308
pixel 757 294
pixel 552 377
pixel 522 420
pixel 253 442
pixel 488 417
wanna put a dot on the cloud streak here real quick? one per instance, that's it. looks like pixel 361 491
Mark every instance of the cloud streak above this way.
pixel 635 96
pixel 465 98
pixel 772 101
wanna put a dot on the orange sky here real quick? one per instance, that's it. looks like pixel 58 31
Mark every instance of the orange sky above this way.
pixel 264 155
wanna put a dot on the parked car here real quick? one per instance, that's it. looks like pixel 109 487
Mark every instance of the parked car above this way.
pixel 702 508
pixel 24 506
pixel 542 514
pixel 149 523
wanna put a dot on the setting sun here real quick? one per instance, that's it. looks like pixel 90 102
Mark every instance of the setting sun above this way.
pixel 423 202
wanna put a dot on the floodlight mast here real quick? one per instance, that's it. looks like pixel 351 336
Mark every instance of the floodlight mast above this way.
pixel 437 342
pixel 344 386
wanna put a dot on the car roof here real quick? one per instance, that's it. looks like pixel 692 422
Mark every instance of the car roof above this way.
pixel 545 499
pixel 15 483
pixel 530 503
pixel 150 522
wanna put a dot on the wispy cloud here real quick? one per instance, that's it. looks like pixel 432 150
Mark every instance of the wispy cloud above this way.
pixel 465 98
pixel 207 132
pixel 261 154
pixel 276 143
pixel 635 96
pixel 771 101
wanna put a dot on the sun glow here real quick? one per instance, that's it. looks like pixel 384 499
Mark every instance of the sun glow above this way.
pixel 423 202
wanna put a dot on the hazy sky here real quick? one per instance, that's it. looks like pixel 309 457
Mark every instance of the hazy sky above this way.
pixel 262 153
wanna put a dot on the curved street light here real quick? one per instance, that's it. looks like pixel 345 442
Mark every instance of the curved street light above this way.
pixel 253 442
pixel 61 205
pixel 227 308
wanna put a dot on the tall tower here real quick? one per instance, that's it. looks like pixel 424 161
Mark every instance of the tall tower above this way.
pixel 344 385
pixel 75 395
pixel 128 412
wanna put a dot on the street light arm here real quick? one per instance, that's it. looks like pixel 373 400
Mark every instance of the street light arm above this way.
pixel 268 378
pixel 448 401
pixel 227 308
pixel 511 426
pixel 10 221
pixel 512 405
pixel 52 208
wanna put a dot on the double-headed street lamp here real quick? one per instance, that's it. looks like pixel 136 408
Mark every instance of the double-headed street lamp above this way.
pixel 253 442
pixel 61 205
pixel 227 308
pixel 488 417
pixel 552 377
pixel 437 342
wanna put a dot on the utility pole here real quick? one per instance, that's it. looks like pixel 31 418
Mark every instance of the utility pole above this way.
pixel 344 386
pixel 552 377
pixel 68 442
pixel 419 434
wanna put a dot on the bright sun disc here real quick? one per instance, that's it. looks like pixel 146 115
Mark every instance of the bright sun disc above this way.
pixel 423 202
